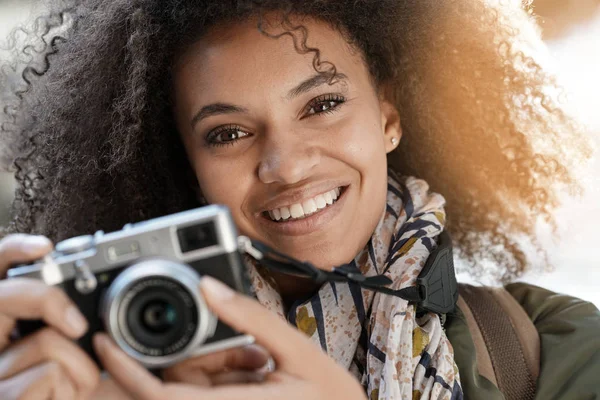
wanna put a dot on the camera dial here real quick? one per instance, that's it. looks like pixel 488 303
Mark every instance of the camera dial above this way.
pixel 75 244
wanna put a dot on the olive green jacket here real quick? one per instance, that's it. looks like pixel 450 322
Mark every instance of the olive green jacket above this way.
pixel 569 330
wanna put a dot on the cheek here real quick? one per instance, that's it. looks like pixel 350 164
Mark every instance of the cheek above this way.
pixel 229 183
pixel 359 141
pixel 221 181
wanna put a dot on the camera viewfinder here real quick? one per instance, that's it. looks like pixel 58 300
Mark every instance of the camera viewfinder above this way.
pixel 197 237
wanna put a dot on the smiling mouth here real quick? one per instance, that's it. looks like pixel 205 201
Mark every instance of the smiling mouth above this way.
pixel 306 208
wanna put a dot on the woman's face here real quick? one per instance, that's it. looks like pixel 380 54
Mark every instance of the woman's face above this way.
pixel 300 163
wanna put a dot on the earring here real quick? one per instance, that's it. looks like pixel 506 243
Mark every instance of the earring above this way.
pixel 394 141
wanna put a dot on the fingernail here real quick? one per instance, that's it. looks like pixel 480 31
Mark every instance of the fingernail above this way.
pixel 36 242
pixel 269 366
pixel 76 321
pixel 216 289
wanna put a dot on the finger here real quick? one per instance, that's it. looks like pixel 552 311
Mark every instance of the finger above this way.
pixel 276 386
pixel 108 389
pixel 199 378
pixel 130 375
pixel 281 340
pixel 141 385
pixel 250 357
pixel 178 373
pixel 42 382
pixel 21 248
pixel 246 358
pixel 64 388
pixel 47 344
pixel 23 298
pixel 185 375
pixel 234 378
pixel 7 325
pixel 35 383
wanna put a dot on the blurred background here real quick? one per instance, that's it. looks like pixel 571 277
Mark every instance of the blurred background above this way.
pixel 571 31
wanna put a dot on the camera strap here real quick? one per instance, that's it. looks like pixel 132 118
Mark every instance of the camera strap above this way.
pixel 436 289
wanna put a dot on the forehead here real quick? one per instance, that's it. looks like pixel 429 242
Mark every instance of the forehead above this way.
pixel 237 56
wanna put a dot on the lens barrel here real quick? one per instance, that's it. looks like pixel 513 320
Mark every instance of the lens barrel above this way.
pixel 155 312
pixel 160 316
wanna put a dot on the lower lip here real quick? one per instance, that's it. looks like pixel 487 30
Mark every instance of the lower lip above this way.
pixel 309 224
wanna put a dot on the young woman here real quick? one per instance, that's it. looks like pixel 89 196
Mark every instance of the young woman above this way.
pixel 321 126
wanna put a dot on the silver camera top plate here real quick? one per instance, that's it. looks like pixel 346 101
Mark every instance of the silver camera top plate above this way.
pixel 153 238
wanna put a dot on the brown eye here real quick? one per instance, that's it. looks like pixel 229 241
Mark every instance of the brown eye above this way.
pixel 324 104
pixel 226 135
pixel 229 136
pixel 322 107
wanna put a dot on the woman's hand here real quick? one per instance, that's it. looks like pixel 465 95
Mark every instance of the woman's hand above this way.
pixel 237 365
pixel 303 371
pixel 48 364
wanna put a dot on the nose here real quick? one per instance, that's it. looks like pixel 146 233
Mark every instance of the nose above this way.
pixel 287 160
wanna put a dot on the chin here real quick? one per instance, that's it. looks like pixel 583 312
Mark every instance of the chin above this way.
pixel 324 256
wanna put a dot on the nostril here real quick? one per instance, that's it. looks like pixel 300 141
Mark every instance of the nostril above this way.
pixel 287 166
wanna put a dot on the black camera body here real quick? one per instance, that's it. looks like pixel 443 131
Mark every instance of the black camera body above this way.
pixel 140 284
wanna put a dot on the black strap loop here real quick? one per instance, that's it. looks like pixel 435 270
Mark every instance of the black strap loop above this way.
pixel 436 290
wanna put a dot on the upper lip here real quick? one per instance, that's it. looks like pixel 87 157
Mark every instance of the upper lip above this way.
pixel 293 196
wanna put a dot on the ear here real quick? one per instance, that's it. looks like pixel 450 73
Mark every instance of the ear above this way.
pixel 390 121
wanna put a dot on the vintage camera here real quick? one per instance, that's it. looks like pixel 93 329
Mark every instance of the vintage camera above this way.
pixel 140 284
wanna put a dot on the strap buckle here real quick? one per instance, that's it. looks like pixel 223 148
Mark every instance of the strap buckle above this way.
pixel 437 281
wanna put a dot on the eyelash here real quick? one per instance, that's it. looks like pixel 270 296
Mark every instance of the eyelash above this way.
pixel 328 98
pixel 211 137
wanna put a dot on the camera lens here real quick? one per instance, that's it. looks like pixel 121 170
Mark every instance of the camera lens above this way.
pixel 155 312
pixel 160 316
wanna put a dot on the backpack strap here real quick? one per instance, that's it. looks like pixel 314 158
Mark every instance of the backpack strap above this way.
pixel 506 341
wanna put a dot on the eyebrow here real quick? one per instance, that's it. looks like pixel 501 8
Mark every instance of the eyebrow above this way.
pixel 303 87
pixel 216 109
pixel 313 82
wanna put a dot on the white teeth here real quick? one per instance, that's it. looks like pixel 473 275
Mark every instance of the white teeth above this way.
pixel 276 214
pixel 334 194
pixel 307 207
pixel 296 211
pixel 320 202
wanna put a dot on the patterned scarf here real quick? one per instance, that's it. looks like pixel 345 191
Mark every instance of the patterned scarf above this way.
pixel 378 337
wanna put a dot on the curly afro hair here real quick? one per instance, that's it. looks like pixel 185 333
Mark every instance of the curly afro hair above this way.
pixel 89 133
